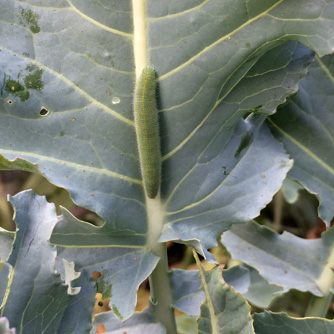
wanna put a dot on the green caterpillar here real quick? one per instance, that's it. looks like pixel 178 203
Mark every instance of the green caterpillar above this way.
pixel 147 130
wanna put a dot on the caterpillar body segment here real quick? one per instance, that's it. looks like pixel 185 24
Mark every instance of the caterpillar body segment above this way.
pixel 147 130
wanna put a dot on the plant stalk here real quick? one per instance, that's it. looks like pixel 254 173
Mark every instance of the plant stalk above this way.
pixel 161 292
pixel 318 306
pixel 278 205
pixel 160 286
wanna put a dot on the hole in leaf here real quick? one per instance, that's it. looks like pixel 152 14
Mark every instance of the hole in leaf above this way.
pixel 44 112
pixel 19 181
pixel 10 183
pixel 101 304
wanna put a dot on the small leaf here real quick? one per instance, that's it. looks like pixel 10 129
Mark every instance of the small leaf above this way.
pixel 224 310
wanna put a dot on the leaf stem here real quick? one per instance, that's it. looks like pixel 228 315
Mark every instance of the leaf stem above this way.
pixel 205 288
pixel 318 306
pixel 278 205
pixel 188 258
pixel 161 291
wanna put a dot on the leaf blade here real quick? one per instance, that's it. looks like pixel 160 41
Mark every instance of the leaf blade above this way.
pixel 304 125
pixel 285 260
pixel 223 309
pixel 279 323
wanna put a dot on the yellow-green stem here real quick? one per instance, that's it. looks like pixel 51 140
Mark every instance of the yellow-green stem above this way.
pixel 318 306
pixel 205 288
pixel 161 292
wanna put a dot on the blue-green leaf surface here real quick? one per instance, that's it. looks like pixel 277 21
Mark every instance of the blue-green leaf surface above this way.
pixel 260 293
pixel 39 293
pixel 188 296
pixel 280 323
pixel 78 313
pixel 223 310
pixel 305 124
pixel 249 169
pixel 242 278
pixel 67 74
pixel 36 297
pixel 285 260
pixel 238 278
pixel 122 270
pixel 67 78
